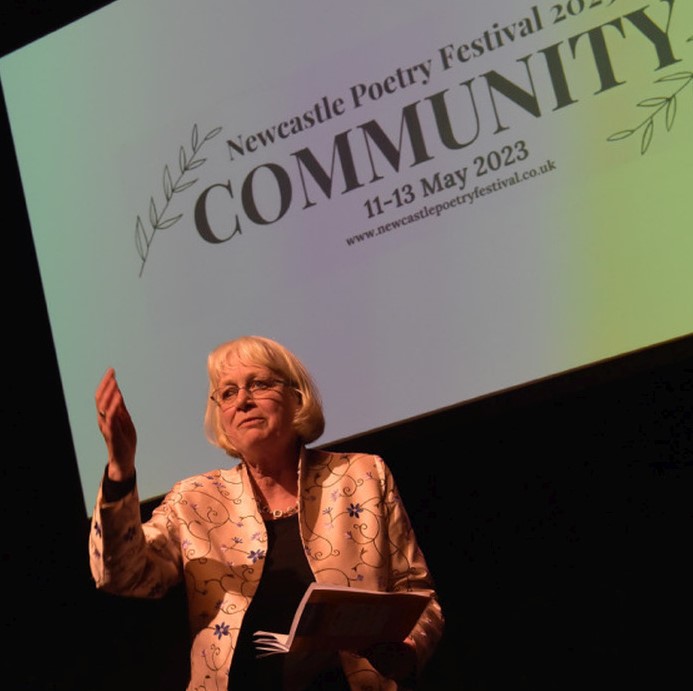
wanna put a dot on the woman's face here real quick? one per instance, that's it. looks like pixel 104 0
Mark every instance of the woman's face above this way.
pixel 256 409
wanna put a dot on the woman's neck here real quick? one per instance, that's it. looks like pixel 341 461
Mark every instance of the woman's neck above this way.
pixel 273 463
pixel 275 478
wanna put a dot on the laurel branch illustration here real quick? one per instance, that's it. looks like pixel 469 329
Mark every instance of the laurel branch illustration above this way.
pixel 659 104
pixel 157 217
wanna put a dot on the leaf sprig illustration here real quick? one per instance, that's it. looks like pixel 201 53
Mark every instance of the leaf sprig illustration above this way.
pixel 658 104
pixel 157 217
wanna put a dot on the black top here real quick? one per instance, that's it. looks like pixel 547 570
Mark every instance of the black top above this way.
pixel 285 577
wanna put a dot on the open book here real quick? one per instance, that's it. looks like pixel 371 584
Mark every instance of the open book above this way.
pixel 333 617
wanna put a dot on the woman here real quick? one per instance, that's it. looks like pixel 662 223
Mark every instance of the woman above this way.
pixel 249 539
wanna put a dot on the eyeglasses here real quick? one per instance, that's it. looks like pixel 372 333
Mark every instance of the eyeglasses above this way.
pixel 226 396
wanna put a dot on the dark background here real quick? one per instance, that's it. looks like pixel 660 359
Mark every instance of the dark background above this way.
pixel 556 517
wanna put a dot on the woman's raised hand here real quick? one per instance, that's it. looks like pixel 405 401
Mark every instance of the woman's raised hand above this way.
pixel 117 427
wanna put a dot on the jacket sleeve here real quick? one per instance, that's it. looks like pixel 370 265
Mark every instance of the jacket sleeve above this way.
pixel 127 557
pixel 408 568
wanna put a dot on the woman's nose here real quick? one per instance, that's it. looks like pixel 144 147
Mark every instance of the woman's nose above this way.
pixel 243 398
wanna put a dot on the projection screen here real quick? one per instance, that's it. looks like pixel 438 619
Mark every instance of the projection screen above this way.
pixel 427 202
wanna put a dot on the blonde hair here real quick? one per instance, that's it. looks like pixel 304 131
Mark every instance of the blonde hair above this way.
pixel 309 420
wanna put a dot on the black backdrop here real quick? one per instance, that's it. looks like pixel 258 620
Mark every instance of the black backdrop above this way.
pixel 556 517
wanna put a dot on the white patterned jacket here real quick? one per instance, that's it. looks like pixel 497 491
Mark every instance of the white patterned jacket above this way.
pixel 208 531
